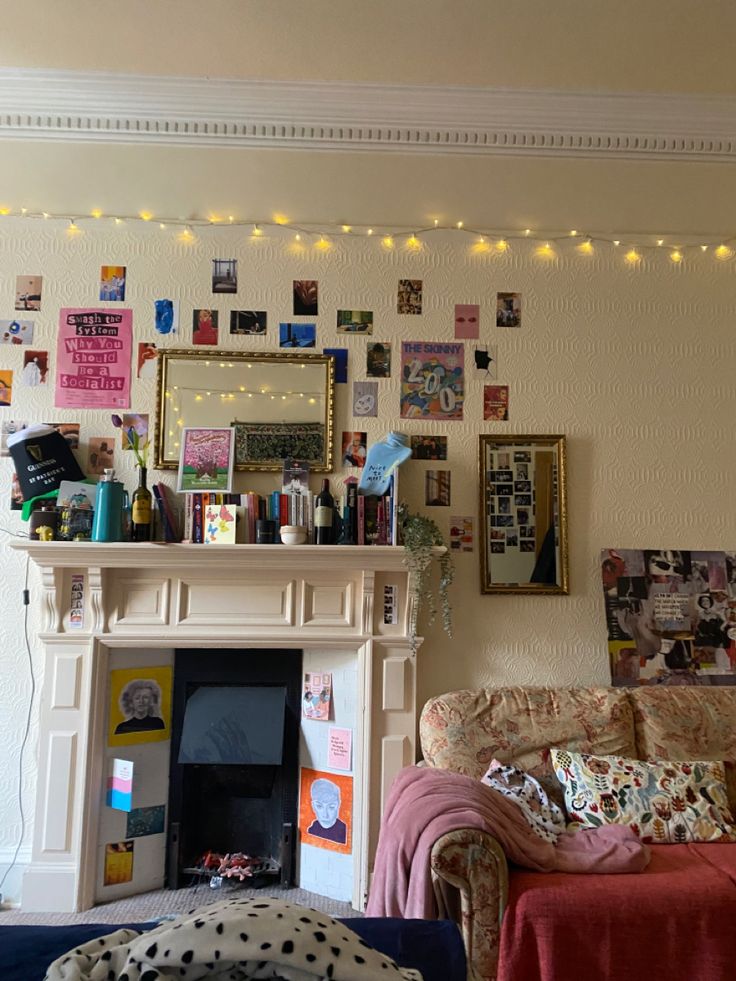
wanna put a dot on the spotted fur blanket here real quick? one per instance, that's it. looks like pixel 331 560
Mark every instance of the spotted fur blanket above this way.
pixel 234 940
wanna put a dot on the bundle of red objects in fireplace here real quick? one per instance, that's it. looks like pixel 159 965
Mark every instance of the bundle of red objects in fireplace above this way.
pixel 235 865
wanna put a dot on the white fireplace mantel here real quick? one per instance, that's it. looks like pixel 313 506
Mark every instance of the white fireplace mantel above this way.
pixel 229 596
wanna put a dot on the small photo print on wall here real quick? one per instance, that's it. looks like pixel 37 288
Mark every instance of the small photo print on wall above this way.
pixel 6 398
pixel 140 706
pixel 378 359
pixel 224 275
pixel 134 422
pixel 409 298
pixel 165 316
pixel 28 292
pixel 461 533
pixel 365 398
pixel 101 454
pixel 9 426
pixel 306 297
pixel 354 449
pixel 508 309
pixel 496 403
pixel 467 320
pixel 297 335
pixel 16 331
pixel 340 354
pixel 69 430
pixel 317 696
pixel 326 810
pixel 16 494
pixel 248 321
pixel 355 322
pixel 437 488
pixel 205 326
pixel 428 447
pixel 118 863
pixel 143 821
pixel 147 359
pixel 112 283
pixel 35 368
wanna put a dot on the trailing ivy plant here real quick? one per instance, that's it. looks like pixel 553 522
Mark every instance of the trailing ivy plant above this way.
pixel 421 536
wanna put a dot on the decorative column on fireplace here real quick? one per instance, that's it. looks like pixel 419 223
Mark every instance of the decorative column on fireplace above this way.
pixel 234 772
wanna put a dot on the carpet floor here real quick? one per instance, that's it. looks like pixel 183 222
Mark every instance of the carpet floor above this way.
pixel 163 902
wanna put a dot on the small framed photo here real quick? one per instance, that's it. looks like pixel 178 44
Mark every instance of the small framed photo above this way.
pixel 206 461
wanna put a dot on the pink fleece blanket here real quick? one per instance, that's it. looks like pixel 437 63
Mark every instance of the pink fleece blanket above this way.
pixel 426 803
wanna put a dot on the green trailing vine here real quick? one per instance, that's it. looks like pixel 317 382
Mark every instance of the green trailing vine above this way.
pixel 421 537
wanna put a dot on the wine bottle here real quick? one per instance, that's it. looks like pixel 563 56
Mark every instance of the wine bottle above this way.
pixel 140 526
pixel 323 514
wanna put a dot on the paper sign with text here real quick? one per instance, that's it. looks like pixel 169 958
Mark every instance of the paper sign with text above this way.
pixel 93 359
pixel 339 748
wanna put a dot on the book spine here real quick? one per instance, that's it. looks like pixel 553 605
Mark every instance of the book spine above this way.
pixel 284 509
pixel 169 512
pixel 165 525
pixel 197 523
pixel 188 516
pixel 361 519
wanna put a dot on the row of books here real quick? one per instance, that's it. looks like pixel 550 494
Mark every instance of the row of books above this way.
pixel 230 518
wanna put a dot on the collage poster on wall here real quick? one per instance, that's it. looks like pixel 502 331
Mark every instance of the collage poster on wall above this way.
pixel 671 616
pixel 93 359
pixel 432 380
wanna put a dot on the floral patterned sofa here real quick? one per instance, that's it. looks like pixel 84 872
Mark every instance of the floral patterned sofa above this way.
pixel 464 730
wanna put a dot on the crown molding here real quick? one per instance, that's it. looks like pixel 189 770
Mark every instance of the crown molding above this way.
pixel 113 108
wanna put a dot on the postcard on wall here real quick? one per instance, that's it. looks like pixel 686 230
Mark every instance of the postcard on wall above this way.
pixel 112 283
pixel 339 748
pixel 224 275
pixel 461 533
pixel 219 524
pixel 147 359
pixel 118 863
pixel 135 424
pixel 432 380
pixel 9 426
pixel 428 447
pixel 317 696
pixel 306 297
pixel 93 358
pixel 365 398
pixel 326 810
pixel 354 449
pixel 248 321
pixel 378 359
pixel 6 398
pixel 120 785
pixel 297 335
pixel 295 477
pixel 76 494
pixel 16 331
pixel 166 316
pixel 205 326
pixel 340 354
pixel 437 488
pixel 467 320
pixel 486 359
pixel 76 602
pixel 28 292
pixel 409 296
pixel 508 310
pixel 144 821
pixel 35 368
pixel 496 402
pixel 69 430
pixel 206 460
pixel 100 454
pixel 354 321
pixel 140 706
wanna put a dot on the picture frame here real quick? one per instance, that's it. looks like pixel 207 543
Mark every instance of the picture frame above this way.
pixel 537 560
pixel 206 460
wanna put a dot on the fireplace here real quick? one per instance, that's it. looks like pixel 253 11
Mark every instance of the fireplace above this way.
pixel 141 604
pixel 234 767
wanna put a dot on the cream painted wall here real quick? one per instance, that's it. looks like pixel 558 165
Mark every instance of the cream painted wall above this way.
pixel 635 366
pixel 657 46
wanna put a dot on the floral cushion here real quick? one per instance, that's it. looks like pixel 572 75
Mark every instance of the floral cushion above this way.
pixel 687 724
pixel 664 803
pixel 464 730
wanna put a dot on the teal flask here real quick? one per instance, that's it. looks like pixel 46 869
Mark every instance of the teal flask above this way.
pixel 107 525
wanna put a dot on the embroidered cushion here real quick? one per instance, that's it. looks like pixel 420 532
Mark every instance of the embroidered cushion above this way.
pixel 663 802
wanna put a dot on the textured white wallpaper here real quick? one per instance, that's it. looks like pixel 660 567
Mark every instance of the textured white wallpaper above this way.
pixel 635 365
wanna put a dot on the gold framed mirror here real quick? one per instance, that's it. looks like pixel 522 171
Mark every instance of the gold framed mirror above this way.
pixel 523 514
pixel 281 404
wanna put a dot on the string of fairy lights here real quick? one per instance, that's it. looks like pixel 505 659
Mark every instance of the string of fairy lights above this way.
pixel 323 236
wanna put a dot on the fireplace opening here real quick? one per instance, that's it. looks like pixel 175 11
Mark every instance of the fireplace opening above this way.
pixel 234 766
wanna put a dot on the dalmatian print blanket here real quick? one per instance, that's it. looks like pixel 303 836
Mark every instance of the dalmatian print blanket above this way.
pixel 235 940
pixel 544 817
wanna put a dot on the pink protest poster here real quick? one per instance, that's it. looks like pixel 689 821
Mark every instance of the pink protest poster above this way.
pixel 93 359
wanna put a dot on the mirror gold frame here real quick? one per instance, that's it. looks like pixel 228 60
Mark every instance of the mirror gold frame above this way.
pixel 233 392
pixel 523 514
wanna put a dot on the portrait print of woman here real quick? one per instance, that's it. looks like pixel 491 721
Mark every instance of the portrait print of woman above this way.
pixel 140 703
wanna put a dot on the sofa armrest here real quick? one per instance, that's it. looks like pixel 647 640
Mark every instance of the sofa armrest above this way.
pixel 471 883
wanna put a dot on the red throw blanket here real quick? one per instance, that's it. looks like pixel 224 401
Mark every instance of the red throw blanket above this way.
pixel 426 803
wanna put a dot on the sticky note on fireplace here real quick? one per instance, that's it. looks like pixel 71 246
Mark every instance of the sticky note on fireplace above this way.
pixel 120 785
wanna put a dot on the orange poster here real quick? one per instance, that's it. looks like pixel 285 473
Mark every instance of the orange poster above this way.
pixel 326 810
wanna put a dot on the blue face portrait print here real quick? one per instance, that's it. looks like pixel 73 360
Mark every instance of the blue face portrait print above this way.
pixel 164 319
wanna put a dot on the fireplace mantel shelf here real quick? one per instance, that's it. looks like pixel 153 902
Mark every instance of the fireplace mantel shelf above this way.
pixel 153 555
